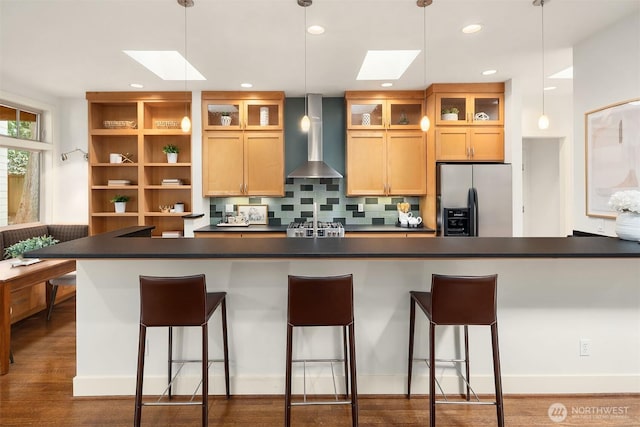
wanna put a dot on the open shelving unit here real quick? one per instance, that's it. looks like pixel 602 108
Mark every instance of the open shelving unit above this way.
pixel 137 125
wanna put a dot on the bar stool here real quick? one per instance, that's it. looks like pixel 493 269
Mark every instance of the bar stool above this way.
pixel 323 301
pixel 68 279
pixel 179 301
pixel 463 301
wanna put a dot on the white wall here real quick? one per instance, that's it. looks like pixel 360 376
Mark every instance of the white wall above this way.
pixel 606 71
pixel 70 189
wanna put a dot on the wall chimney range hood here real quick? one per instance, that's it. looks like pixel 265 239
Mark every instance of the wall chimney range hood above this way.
pixel 315 167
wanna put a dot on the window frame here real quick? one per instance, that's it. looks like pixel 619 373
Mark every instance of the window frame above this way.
pixel 43 145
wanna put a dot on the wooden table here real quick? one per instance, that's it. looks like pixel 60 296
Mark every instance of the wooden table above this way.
pixel 16 278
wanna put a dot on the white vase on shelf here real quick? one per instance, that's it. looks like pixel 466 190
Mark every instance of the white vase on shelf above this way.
pixel 121 207
pixel 628 226
pixel 172 157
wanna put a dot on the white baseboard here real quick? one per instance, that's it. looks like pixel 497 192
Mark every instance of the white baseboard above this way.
pixel 367 384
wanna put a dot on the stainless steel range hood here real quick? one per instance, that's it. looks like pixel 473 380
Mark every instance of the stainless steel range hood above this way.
pixel 315 167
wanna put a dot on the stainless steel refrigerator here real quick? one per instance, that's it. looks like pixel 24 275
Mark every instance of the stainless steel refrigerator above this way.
pixel 474 199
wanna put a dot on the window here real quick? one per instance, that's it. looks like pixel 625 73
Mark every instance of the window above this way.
pixel 19 167
pixel 19 123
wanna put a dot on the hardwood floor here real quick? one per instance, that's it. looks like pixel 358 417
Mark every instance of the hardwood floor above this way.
pixel 38 391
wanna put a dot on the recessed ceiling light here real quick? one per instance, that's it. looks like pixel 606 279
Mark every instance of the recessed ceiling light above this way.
pixel 166 64
pixel 136 85
pixel 489 72
pixel 567 73
pixel 386 64
pixel 387 84
pixel 550 88
pixel 246 85
pixel 473 28
pixel 315 30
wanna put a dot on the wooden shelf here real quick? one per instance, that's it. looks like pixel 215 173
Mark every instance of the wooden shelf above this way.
pixel 148 121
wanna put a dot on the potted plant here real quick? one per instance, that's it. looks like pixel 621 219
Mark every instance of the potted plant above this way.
pixel 172 153
pixel 225 118
pixel 120 202
pixel 450 113
pixel 17 249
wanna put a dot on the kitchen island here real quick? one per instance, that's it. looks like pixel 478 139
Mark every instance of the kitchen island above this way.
pixel 552 292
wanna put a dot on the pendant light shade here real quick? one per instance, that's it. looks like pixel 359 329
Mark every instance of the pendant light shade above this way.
pixel 305 123
pixel 543 122
pixel 425 123
pixel 185 124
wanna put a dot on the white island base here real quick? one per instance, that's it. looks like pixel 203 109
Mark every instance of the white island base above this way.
pixel 545 307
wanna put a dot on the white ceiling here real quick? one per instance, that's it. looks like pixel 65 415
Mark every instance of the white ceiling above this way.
pixel 65 47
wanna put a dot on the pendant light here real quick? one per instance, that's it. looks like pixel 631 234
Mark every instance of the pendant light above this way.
pixel 425 123
pixel 543 121
pixel 305 123
pixel 185 124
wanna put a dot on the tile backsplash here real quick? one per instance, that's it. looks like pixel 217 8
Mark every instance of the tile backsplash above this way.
pixel 328 193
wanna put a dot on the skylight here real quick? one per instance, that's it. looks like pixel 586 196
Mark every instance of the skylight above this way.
pixel 386 64
pixel 166 64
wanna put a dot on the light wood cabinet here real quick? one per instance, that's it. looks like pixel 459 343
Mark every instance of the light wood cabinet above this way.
pixel 473 109
pixel 138 125
pixel 476 133
pixel 470 144
pixel 387 156
pixel 246 157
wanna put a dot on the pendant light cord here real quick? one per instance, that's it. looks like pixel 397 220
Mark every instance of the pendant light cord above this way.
pixel 185 59
pixel 542 37
pixel 424 29
pixel 305 60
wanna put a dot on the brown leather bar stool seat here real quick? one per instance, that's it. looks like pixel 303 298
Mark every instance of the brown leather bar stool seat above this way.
pixel 179 302
pixel 323 301
pixel 463 301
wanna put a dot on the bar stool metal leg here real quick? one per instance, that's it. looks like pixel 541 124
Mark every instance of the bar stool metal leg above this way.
pixel 287 392
pixel 466 361
pixel 497 374
pixel 354 388
pixel 205 375
pixel 225 346
pixel 52 299
pixel 412 327
pixel 432 375
pixel 140 376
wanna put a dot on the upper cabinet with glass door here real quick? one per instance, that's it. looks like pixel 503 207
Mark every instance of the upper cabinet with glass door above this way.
pixel 243 111
pixel 385 110
pixel 469 108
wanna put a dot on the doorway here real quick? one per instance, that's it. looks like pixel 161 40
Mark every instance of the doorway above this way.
pixel 543 187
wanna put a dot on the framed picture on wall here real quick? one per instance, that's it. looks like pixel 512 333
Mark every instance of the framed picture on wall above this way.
pixel 256 214
pixel 612 154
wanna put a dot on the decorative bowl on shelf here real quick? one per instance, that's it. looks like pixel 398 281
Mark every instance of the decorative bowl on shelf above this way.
pixel 167 124
pixel 119 124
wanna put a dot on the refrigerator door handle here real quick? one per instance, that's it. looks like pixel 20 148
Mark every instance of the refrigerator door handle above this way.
pixel 472 202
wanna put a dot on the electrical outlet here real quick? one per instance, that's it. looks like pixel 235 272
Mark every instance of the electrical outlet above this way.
pixel 228 208
pixel 600 225
pixel 360 207
pixel 585 347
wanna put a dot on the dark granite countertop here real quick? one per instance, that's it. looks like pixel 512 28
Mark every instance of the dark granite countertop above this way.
pixel 110 245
